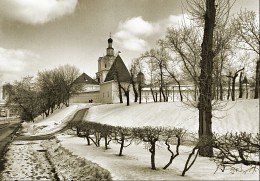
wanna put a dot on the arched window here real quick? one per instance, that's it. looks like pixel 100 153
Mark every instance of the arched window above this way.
pixel 105 65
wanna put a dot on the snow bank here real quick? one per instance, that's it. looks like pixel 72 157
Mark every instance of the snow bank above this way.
pixel 54 122
pixel 71 167
pixel 241 115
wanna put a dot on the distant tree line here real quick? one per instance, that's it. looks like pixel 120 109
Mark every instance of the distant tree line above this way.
pixel 51 89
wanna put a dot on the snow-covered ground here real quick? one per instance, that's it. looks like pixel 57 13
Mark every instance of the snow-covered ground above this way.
pixel 26 161
pixel 241 115
pixel 52 123
pixel 135 164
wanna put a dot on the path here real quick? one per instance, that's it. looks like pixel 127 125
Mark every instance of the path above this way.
pixel 26 159
pixel 76 118
pixel 5 131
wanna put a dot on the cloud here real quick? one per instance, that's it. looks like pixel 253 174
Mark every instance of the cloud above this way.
pixel 137 26
pixel 16 63
pixel 131 33
pixel 130 41
pixel 134 33
pixel 36 11
pixel 179 20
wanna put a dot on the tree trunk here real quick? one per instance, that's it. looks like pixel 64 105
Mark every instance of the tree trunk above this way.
pixel 127 97
pixel 135 91
pixel 205 98
pixel 122 146
pixel 233 93
pixel 152 94
pixel 233 96
pixel 195 92
pixel 229 86
pixel 220 80
pixel 220 91
pixel 140 93
pixel 152 151
pixel 240 86
pixel 120 92
pixel 257 80
pixel 106 143
pixel 179 86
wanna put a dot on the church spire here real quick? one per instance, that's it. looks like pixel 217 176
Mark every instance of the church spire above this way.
pixel 110 49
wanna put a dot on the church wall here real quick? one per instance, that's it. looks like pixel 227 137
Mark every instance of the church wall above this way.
pixel 106 92
pixel 116 93
pixel 85 97
pixel 109 93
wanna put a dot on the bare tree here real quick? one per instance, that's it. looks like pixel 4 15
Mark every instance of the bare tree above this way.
pixel 150 136
pixel 184 43
pixel 68 74
pixel 126 88
pixel 205 84
pixel 247 33
pixel 159 57
pixel 178 133
pixel 233 78
pixel 123 136
pixel 134 69
pixel 23 97
pixel 171 71
pixel 212 15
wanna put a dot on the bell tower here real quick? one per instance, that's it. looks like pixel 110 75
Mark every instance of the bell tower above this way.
pixel 105 62
pixel 110 49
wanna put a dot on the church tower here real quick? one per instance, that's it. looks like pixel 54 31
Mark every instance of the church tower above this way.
pixel 110 49
pixel 105 63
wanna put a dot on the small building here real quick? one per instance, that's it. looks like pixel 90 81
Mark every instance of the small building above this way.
pixel 90 90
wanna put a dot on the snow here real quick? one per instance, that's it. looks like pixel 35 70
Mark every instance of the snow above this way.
pixel 27 154
pixel 241 115
pixel 52 123
pixel 236 116
pixel 135 162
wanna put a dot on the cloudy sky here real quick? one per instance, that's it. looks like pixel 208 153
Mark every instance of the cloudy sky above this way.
pixel 38 35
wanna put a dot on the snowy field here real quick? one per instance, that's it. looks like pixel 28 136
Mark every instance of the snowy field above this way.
pixel 241 115
pixel 135 164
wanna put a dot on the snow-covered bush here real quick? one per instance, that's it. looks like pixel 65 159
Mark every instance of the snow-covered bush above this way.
pixel 71 167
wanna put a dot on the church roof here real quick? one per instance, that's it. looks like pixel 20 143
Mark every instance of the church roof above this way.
pixel 84 78
pixel 119 66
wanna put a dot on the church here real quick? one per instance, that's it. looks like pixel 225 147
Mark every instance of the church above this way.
pixel 105 88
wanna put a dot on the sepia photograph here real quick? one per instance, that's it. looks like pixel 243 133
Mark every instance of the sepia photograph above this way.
pixel 129 90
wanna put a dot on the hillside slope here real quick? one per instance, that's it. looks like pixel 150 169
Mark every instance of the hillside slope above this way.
pixel 241 115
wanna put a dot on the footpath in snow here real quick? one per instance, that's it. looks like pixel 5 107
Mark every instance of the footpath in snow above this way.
pixel 52 123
